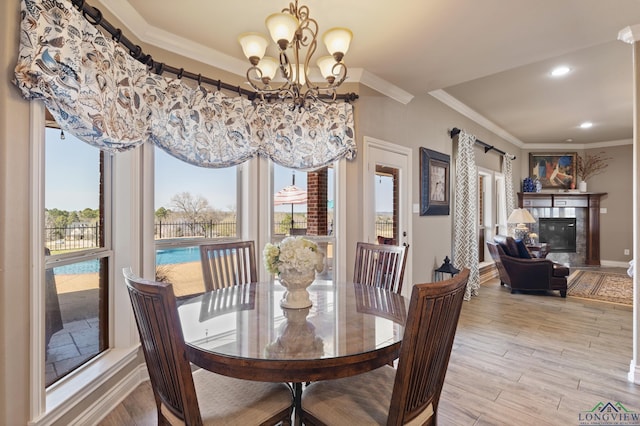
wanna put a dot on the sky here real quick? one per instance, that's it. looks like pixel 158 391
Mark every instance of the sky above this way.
pixel 70 185
pixel 75 186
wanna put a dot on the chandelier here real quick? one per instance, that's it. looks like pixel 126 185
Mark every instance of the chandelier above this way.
pixel 295 34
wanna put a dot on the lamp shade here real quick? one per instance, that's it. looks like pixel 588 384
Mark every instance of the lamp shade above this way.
pixel 268 66
pixel 521 216
pixel 296 70
pixel 337 41
pixel 253 45
pixel 326 63
pixel 282 27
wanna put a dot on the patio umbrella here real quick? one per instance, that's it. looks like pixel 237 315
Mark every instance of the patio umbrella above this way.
pixel 290 195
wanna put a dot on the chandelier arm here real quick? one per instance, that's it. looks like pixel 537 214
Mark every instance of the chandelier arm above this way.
pixel 286 68
pixel 295 65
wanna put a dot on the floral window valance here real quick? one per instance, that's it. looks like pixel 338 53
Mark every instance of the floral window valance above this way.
pixel 98 92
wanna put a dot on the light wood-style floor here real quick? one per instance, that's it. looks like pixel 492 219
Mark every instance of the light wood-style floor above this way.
pixel 518 359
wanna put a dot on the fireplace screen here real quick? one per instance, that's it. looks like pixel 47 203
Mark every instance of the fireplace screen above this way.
pixel 559 233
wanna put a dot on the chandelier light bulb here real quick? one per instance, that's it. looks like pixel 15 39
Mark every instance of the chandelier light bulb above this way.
pixel 282 27
pixel 254 45
pixel 337 41
pixel 326 63
pixel 268 66
pixel 295 70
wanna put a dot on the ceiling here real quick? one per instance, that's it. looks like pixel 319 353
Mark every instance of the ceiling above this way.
pixel 489 59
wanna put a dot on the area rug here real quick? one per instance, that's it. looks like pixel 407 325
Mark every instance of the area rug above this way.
pixel 603 286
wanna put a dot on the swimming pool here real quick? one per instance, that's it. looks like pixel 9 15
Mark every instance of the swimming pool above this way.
pixel 163 257
pixel 177 255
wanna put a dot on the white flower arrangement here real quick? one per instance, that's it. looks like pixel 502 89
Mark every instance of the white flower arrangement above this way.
pixel 292 253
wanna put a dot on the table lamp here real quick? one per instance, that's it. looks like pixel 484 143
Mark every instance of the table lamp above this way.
pixel 520 217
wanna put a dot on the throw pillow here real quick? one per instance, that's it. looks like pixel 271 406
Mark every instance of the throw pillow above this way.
pixel 523 251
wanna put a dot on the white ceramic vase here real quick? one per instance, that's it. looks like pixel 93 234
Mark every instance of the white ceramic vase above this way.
pixel 296 283
pixel 582 186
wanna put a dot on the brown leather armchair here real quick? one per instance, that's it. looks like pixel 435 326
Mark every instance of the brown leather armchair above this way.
pixel 528 274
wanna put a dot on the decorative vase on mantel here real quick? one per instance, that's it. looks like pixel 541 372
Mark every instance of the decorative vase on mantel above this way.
pixel 296 283
pixel 582 186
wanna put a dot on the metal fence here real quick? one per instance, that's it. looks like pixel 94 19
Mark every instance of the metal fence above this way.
pixel 194 229
pixel 62 238
pixel 384 229
pixel 284 228
pixel 59 238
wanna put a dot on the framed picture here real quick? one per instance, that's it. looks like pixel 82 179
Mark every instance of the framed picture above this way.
pixel 434 183
pixel 554 170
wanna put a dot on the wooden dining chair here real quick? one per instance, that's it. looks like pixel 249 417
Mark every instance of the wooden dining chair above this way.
pixel 228 264
pixel 380 265
pixel 201 397
pixel 411 393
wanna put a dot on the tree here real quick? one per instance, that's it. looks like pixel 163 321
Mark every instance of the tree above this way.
pixel 89 214
pixel 162 213
pixel 192 208
pixel 73 218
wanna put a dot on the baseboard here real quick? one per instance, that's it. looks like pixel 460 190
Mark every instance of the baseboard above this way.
pixel 488 271
pixel 614 264
pixel 114 396
pixel 634 373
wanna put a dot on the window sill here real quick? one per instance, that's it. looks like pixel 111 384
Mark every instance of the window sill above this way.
pixel 70 391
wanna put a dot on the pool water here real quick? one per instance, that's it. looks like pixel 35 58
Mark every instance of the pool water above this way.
pixel 177 255
pixel 163 257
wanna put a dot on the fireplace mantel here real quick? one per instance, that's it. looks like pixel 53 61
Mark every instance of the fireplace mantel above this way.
pixel 588 200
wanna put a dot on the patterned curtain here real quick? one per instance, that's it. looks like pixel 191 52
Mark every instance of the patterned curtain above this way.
pixel 99 93
pixel 507 171
pixel 465 235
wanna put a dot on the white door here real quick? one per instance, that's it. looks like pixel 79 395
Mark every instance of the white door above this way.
pixel 387 175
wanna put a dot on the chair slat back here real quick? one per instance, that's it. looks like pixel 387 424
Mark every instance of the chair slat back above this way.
pixel 228 264
pixel 380 265
pixel 154 307
pixel 432 320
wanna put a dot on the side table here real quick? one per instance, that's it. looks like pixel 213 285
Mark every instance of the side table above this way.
pixel 540 250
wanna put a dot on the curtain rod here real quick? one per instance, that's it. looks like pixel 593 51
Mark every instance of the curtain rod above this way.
pixel 94 16
pixel 454 132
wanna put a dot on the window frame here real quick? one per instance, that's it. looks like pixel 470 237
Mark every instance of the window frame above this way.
pixel 490 198
pixel 172 243
pixel 49 404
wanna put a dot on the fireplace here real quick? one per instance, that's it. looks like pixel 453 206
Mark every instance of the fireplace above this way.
pixel 574 234
pixel 560 233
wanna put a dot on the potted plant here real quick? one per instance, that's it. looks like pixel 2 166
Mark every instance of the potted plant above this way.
pixel 588 166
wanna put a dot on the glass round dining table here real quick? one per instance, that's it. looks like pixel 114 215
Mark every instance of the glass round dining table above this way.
pixel 242 332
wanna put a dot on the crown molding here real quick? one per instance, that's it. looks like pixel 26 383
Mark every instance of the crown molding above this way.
pixel 572 146
pixel 383 86
pixel 629 34
pixel 138 26
pixel 463 109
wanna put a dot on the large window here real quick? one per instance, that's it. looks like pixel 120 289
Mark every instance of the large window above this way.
pixel 193 205
pixel 77 253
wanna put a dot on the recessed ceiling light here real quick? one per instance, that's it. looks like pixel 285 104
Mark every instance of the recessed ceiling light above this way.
pixel 560 71
pixel 568 140
pixel 586 125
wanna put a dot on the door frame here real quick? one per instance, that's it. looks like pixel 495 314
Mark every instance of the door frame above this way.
pixel 405 193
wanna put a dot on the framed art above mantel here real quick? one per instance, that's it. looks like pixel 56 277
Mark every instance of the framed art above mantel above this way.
pixel 555 170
